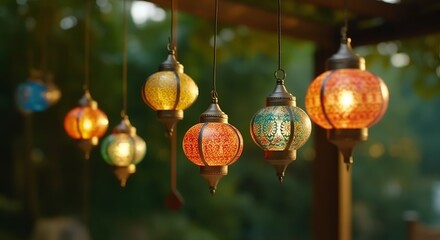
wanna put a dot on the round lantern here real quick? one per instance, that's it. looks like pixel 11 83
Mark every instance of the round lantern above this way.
pixel 123 149
pixel 53 93
pixel 213 144
pixel 31 94
pixel 169 92
pixel 86 123
pixel 280 128
pixel 346 100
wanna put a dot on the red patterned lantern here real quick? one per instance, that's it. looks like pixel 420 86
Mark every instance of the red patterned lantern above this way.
pixel 346 100
pixel 213 144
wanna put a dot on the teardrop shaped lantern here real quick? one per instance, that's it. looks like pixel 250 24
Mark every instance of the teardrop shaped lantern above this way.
pixel 281 127
pixel 30 95
pixel 213 144
pixel 86 123
pixel 123 149
pixel 346 99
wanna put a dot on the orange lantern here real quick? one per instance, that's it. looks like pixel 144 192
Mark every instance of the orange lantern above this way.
pixel 346 100
pixel 213 144
pixel 86 123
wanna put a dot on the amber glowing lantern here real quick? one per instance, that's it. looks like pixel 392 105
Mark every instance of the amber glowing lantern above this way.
pixel 346 100
pixel 213 144
pixel 86 123
pixel 123 149
pixel 170 91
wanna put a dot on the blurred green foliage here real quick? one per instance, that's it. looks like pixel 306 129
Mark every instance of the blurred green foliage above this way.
pixel 250 203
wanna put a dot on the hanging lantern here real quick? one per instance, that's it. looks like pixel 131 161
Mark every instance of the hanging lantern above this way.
pixel 169 91
pixel 86 123
pixel 53 93
pixel 213 144
pixel 346 100
pixel 31 94
pixel 123 149
pixel 280 128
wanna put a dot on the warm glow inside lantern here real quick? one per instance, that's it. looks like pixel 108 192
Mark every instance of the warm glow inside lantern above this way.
pixel 280 128
pixel 86 123
pixel 213 144
pixel 346 100
pixel 170 91
pixel 123 149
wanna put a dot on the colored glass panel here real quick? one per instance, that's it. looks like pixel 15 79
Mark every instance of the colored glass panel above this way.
pixel 346 99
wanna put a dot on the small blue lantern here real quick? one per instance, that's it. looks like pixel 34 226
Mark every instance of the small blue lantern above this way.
pixel 31 94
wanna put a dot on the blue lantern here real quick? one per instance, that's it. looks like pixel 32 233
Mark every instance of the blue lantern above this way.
pixel 31 94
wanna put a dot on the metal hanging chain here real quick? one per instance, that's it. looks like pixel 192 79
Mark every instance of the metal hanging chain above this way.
pixel 44 35
pixel 214 95
pixel 279 74
pixel 173 39
pixel 344 29
pixel 87 45
pixel 124 59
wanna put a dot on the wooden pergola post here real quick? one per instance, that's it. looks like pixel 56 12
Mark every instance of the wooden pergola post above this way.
pixel 331 219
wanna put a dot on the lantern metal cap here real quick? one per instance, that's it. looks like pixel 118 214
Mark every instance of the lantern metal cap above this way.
pixel 280 160
pixel 125 127
pixel 280 96
pixel 36 75
pixel 345 58
pixel 171 63
pixel 213 174
pixel 214 114
pixel 346 140
pixel 87 101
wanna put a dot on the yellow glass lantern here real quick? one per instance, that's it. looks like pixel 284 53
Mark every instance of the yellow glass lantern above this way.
pixel 346 100
pixel 170 91
pixel 86 123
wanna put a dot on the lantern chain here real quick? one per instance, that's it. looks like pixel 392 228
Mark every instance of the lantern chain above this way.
pixel 214 95
pixel 87 45
pixel 279 74
pixel 344 29
pixel 124 59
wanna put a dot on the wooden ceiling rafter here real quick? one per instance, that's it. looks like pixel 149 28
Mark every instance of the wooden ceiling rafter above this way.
pixel 393 21
pixel 241 14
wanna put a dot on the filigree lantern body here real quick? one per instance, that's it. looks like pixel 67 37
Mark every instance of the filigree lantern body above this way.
pixel 86 123
pixel 169 92
pixel 213 144
pixel 346 100
pixel 31 94
pixel 280 129
pixel 123 149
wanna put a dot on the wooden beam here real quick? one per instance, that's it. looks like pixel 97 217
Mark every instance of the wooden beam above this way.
pixel 387 11
pixel 408 27
pixel 241 14
pixel 331 206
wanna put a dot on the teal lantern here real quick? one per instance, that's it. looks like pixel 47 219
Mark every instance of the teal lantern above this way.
pixel 280 128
